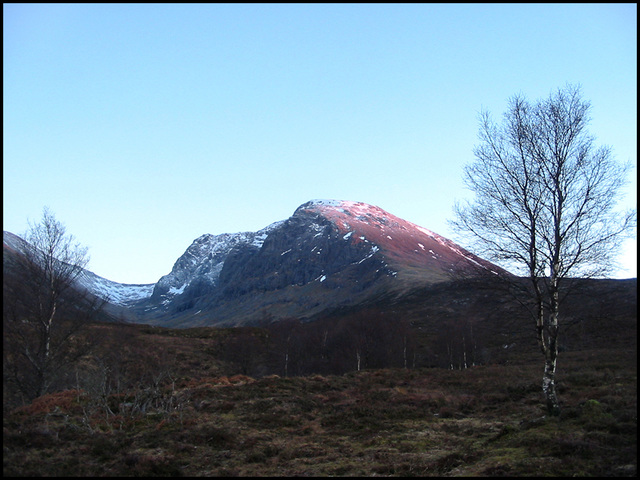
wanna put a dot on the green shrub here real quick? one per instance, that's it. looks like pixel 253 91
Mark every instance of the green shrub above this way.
pixel 595 415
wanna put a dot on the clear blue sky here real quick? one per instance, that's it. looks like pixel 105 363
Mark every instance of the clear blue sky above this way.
pixel 143 127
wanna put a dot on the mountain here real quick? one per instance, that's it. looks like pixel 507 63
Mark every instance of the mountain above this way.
pixel 119 295
pixel 329 254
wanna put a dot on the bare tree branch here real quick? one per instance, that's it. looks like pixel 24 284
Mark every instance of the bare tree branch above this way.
pixel 544 205
pixel 43 308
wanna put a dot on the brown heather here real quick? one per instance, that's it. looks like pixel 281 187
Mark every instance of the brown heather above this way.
pixel 482 421
pixel 287 400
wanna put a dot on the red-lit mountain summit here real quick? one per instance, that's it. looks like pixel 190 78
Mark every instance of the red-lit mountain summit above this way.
pixel 402 242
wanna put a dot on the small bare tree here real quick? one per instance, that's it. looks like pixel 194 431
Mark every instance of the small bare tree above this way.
pixel 544 205
pixel 43 306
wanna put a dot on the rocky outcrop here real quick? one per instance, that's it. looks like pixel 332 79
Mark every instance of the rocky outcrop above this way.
pixel 196 273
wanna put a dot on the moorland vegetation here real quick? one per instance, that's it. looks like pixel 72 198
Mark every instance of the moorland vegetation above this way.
pixel 430 396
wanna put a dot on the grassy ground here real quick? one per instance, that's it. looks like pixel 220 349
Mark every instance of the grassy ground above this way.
pixel 481 421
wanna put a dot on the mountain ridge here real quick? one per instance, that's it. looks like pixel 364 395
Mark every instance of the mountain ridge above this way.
pixel 328 254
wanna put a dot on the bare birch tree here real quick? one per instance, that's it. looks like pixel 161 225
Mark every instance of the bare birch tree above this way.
pixel 43 308
pixel 544 205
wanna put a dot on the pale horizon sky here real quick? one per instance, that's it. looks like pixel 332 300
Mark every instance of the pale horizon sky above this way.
pixel 145 126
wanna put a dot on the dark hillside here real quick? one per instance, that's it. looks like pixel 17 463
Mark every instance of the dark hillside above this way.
pixel 439 381
pixel 440 326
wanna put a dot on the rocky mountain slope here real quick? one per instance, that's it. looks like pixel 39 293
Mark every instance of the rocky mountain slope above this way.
pixel 328 254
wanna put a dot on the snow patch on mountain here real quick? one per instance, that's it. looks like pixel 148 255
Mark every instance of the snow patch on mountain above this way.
pixel 324 202
pixel 177 291
pixel 114 292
